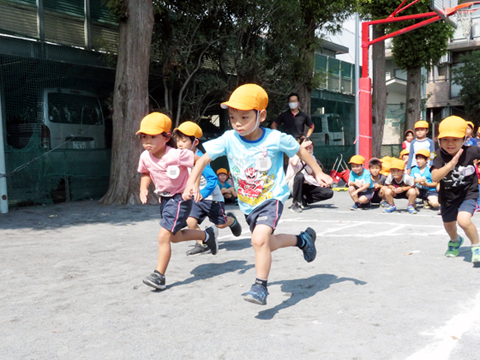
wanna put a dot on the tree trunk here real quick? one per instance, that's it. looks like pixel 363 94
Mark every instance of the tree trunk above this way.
pixel 130 100
pixel 379 96
pixel 308 56
pixel 414 97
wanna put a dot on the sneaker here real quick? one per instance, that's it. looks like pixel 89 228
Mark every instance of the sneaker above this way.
pixel 384 204
pixel 426 205
pixel 453 248
pixel 390 209
pixel 155 280
pixel 236 228
pixel 296 208
pixel 199 249
pixel 475 254
pixel 257 295
pixel 355 207
pixel 212 241
pixel 411 209
pixel 366 206
pixel 309 251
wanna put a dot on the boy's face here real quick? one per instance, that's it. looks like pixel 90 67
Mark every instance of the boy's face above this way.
pixel 357 169
pixel 154 144
pixel 184 142
pixel 409 137
pixel 451 145
pixel 421 133
pixel 405 158
pixel 374 170
pixel 421 161
pixel 469 131
pixel 222 177
pixel 244 122
pixel 396 174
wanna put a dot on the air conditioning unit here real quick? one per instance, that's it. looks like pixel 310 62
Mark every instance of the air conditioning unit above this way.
pixel 446 59
pixel 446 112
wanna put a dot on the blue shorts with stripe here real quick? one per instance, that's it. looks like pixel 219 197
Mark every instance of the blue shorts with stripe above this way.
pixel 215 210
pixel 268 213
pixel 174 212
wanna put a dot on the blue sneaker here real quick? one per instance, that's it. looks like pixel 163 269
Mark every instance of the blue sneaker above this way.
pixel 411 209
pixel 390 209
pixel 309 251
pixel 354 207
pixel 453 248
pixel 257 295
pixel 476 254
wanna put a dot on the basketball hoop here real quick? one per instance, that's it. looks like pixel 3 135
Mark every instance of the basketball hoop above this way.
pixel 464 16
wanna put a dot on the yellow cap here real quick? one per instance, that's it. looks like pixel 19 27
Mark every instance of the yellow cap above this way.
pixel 469 123
pixel 397 164
pixel 155 124
pixel 222 171
pixel 423 152
pixel 357 159
pixel 404 152
pixel 190 128
pixel 247 97
pixel 452 126
pixel 421 124
pixel 411 131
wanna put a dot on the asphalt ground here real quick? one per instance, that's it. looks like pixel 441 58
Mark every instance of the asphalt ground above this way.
pixel 380 288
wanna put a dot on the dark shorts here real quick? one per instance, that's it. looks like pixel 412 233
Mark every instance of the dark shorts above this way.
pixel 425 193
pixel 367 193
pixel 450 212
pixel 215 210
pixel 376 199
pixel 174 212
pixel 402 195
pixel 268 213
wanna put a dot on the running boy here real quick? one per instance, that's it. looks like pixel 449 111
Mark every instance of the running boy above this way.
pixel 255 156
pixel 421 142
pixel 187 136
pixel 401 186
pixel 168 169
pixel 426 188
pixel 453 169
pixel 360 185
pixel 378 180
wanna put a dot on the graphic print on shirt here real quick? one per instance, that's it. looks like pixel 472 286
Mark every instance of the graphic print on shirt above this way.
pixel 458 175
pixel 253 185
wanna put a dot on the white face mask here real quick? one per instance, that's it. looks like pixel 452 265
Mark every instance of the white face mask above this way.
pixel 293 105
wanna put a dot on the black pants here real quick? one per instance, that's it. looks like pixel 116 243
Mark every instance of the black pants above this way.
pixel 304 193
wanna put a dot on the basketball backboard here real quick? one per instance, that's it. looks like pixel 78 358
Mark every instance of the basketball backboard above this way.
pixel 441 7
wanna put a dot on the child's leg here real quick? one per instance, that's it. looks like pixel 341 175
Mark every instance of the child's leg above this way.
pixel 388 193
pixel 451 228
pixel 363 199
pixel 354 197
pixel 412 196
pixel 464 220
pixel 261 239
pixel 433 201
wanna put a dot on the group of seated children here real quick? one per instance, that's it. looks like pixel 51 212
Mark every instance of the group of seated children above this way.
pixel 380 187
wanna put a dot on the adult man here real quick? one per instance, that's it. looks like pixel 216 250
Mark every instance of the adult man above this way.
pixel 294 120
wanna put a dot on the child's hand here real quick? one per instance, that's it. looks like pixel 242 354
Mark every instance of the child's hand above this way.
pixel 144 195
pixel 454 160
pixel 324 180
pixel 398 190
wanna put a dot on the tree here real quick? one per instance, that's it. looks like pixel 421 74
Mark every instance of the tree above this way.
pixel 130 98
pixel 468 77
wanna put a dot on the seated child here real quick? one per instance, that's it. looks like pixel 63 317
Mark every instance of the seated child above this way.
pixel 426 188
pixel 378 180
pixel 469 140
pixel 187 136
pixel 228 191
pixel 360 184
pixel 230 179
pixel 401 186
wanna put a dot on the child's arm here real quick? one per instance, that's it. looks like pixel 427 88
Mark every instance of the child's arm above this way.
pixel 144 183
pixel 411 155
pixel 439 174
pixel 192 187
pixel 323 179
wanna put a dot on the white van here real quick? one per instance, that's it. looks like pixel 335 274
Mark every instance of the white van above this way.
pixel 73 119
pixel 328 130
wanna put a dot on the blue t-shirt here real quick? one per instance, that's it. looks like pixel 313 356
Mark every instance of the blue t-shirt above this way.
pixel 417 173
pixel 226 185
pixel 256 166
pixel 364 178
pixel 471 142
pixel 208 183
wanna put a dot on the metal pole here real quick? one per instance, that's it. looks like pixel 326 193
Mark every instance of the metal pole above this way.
pixel 3 179
pixel 357 80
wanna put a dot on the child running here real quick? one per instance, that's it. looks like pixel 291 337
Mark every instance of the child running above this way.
pixel 255 156
pixel 168 169
pixel 360 185
pixel 426 188
pixel 453 169
pixel 401 186
pixel 187 136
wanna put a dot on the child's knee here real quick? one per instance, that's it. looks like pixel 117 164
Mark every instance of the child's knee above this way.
pixel 259 241
pixel 412 192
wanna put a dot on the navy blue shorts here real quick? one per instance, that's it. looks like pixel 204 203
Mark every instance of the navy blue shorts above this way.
pixel 425 193
pixel 174 212
pixel 450 213
pixel 268 213
pixel 368 193
pixel 215 210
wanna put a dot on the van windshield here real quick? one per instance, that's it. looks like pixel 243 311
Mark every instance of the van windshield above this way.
pixel 74 109
pixel 334 124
